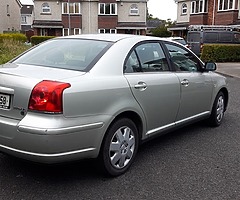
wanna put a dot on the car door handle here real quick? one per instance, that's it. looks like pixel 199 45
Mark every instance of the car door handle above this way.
pixel 141 86
pixel 185 82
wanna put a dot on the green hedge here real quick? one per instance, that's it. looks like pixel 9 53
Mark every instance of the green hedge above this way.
pixel 10 49
pixel 221 52
pixel 38 39
pixel 13 36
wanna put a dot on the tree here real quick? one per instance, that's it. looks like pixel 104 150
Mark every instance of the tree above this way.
pixel 161 31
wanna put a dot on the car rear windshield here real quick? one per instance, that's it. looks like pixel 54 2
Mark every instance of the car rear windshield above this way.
pixel 73 54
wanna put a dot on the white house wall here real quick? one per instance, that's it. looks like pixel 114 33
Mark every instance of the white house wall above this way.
pixel 56 11
pixel 12 20
pixel 180 17
pixel 124 11
pixel 89 11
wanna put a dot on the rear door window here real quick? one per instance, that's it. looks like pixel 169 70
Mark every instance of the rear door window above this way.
pixel 147 57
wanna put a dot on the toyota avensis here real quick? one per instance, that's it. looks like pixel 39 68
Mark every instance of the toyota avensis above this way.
pixel 100 96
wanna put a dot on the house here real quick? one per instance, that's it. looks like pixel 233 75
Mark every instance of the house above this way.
pixel 26 17
pixel 205 12
pixel 10 16
pixel 47 18
pixel 69 17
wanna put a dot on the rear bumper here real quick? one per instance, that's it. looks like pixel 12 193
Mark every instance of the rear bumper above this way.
pixel 52 139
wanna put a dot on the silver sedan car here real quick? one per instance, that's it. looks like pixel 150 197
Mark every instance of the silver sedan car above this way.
pixel 100 96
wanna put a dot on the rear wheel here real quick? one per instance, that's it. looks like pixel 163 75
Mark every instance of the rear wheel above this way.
pixel 217 110
pixel 119 147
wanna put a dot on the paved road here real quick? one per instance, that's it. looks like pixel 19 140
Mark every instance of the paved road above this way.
pixel 196 162
pixel 230 69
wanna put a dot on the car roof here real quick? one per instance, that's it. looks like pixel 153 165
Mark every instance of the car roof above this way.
pixel 175 38
pixel 111 37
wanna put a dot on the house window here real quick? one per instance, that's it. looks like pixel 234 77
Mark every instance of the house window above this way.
pixel 111 31
pixel 184 9
pixel 107 8
pixel 226 5
pixel 77 31
pixel 24 19
pixel 70 8
pixel 199 6
pixel 43 32
pixel 134 9
pixel 8 12
pixel 65 31
pixel 46 8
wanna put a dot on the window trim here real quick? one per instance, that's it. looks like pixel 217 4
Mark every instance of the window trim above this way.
pixel 63 31
pixel 23 19
pixel 103 30
pixel 134 7
pixel 199 6
pixel 79 30
pixel 74 4
pixel 104 8
pixel 184 9
pixel 221 3
pixel 46 6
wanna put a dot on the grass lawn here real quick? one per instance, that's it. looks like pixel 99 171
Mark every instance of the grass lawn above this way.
pixel 10 49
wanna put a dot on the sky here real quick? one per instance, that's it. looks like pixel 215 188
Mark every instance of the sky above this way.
pixel 163 9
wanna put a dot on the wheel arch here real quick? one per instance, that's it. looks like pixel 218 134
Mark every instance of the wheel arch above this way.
pixel 130 115
pixel 226 95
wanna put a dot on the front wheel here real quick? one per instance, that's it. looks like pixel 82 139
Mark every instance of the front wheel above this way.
pixel 119 147
pixel 217 110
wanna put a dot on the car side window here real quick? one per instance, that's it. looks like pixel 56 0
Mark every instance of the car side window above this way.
pixel 147 57
pixel 132 64
pixel 182 59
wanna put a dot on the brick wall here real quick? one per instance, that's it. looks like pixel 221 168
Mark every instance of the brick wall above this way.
pixel 219 18
pixel 107 22
pixel 199 19
pixel 75 21
pixel 226 17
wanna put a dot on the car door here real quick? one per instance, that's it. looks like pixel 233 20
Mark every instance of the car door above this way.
pixel 196 85
pixel 153 85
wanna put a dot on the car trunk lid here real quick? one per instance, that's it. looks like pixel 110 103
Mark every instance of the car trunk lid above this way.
pixel 17 82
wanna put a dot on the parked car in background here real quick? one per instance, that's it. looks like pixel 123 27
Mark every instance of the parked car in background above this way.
pixel 179 40
pixel 101 95
pixel 199 35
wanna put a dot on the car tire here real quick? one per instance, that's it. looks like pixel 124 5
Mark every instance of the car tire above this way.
pixel 119 147
pixel 218 110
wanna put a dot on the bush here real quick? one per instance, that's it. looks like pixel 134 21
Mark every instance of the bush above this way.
pixel 221 53
pixel 13 36
pixel 10 48
pixel 38 39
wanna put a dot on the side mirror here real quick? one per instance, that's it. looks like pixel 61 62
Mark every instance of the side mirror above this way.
pixel 210 66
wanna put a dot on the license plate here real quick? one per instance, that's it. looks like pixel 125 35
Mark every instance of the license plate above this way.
pixel 4 101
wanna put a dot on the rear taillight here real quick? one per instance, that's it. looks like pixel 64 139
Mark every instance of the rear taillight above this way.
pixel 47 96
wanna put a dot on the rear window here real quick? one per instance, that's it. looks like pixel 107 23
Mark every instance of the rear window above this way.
pixel 73 54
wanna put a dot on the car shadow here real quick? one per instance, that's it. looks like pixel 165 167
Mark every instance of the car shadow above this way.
pixel 87 169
